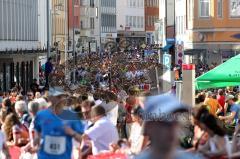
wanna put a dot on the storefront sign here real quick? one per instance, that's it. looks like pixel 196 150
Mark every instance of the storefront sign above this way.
pixel 188 67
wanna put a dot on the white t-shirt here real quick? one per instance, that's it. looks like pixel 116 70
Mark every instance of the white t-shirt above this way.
pixel 135 137
pixel 102 134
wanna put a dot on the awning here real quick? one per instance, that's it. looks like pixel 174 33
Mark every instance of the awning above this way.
pixel 226 74
pixel 167 47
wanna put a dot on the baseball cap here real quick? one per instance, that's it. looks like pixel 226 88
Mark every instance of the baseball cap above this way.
pixel 209 93
pixel 228 97
pixel 161 107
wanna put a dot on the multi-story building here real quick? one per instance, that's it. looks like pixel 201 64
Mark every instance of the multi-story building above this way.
pixel 87 23
pixel 209 29
pixel 151 16
pixel 130 20
pixel 58 14
pixel 165 34
pixel 105 21
pixel 21 23
pixel 73 23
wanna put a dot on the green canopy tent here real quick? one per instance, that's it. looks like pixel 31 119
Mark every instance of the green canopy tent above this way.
pixel 226 74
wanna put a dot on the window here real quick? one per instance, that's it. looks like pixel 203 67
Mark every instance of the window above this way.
pixel 220 8
pixel 76 2
pixel 81 24
pixel 139 22
pixel 134 21
pixel 92 3
pixel 131 3
pixel 130 20
pixel 134 3
pixel 141 3
pixel 204 10
pixel 91 23
pixel 234 8
pixel 190 9
pixel 142 21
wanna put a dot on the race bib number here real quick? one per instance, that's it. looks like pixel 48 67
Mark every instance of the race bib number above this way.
pixel 55 145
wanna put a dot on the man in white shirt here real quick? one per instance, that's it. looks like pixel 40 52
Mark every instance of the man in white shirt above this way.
pixel 102 133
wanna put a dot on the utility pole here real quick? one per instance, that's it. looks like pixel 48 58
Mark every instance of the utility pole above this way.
pixel 66 38
pixel 48 29
pixel 100 28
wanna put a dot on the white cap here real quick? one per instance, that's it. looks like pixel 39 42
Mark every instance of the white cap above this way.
pixel 161 106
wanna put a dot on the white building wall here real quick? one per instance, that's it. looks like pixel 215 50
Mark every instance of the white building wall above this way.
pixel 162 18
pixel 18 24
pixel 180 11
pixel 125 10
pixel 42 23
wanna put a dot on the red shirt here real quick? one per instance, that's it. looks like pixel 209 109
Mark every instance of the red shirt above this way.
pixel 221 101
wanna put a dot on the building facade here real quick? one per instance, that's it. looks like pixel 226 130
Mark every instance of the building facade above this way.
pixel 58 30
pixel 164 27
pixel 106 22
pixel 74 24
pixel 87 24
pixel 151 16
pixel 210 31
pixel 20 43
pixel 130 20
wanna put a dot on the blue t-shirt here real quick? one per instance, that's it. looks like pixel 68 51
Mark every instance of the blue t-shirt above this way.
pixel 235 108
pixel 55 143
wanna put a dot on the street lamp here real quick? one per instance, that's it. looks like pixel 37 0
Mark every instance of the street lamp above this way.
pixel 98 16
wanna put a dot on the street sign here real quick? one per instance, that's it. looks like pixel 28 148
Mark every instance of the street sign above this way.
pixel 179 53
pixel 167 61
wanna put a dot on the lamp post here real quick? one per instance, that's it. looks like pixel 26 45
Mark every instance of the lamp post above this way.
pixel 98 16
pixel 66 38
pixel 74 53
pixel 48 29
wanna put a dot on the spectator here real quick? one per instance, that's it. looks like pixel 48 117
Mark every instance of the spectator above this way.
pixel 33 108
pixel 20 98
pixel 16 133
pixel 43 104
pixel 97 133
pixel 30 96
pixel 238 98
pixel 13 95
pixel 4 152
pixel 1 97
pixel 221 100
pixel 21 110
pixel 48 71
pixel 37 95
pixel 231 118
pixel 212 104
pixel 200 136
pixel 218 143
pixel 86 111
pixel 34 86
pixel 7 106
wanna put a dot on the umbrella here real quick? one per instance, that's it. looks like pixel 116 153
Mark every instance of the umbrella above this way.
pixel 226 74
